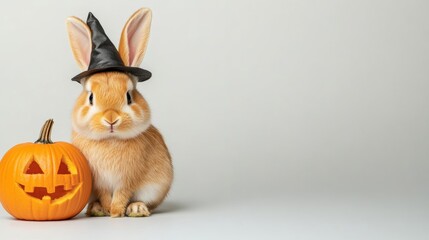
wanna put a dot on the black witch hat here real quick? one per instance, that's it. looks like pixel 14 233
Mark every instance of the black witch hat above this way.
pixel 105 57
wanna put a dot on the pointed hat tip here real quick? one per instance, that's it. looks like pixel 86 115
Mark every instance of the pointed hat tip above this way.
pixel 90 16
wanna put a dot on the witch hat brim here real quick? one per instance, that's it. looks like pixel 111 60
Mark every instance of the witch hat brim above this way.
pixel 141 74
pixel 104 55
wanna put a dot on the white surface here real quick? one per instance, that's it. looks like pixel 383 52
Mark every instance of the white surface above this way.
pixel 286 119
pixel 281 217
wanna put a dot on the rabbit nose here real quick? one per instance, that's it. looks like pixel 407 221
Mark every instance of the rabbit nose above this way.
pixel 111 117
pixel 111 123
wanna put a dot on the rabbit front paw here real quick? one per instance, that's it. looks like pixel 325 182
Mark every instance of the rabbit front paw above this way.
pixel 117 212
pixel 137 209
pixel 95 209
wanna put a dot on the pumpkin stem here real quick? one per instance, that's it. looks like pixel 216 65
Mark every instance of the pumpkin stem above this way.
pixel 45 133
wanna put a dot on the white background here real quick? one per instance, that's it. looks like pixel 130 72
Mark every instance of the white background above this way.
pixel 286 119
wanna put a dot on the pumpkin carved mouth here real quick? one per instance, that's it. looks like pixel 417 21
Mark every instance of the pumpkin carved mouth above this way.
pixel 42 192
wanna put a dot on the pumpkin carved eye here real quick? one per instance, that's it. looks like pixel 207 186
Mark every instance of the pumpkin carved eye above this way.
pixel 64 169
pixel 34 168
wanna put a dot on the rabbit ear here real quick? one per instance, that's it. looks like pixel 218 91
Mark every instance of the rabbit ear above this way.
pixel 134 37
pixel 80 41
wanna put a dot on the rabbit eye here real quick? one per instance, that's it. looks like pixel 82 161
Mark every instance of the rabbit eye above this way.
pixel 91 99
pixel 129 101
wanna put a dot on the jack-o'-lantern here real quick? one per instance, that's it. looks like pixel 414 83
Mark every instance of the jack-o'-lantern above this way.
pixel 44 180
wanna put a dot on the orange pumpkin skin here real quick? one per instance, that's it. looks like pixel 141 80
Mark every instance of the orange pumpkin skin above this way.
pixel 44 181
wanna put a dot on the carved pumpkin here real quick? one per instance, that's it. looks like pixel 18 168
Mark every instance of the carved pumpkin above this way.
pixel 44 180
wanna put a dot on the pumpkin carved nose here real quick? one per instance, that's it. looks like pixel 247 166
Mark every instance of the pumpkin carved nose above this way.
pixel 111 117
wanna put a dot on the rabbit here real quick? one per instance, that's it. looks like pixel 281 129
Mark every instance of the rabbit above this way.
pixel 111 124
